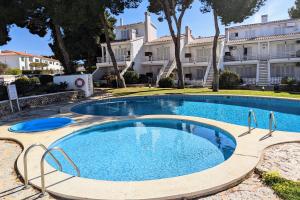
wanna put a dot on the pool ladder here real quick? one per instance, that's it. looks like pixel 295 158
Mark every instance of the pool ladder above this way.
pixel 47 151
pixel 251 115
pixel 272 121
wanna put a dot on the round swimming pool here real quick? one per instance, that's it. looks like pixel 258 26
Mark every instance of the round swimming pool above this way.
pixel 230 109
pixel 146 149
pixel 44 124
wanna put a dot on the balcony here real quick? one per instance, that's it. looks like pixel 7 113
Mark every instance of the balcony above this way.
pixel 286 55
pixel 107 62
pixel 240 58
pixel 156 60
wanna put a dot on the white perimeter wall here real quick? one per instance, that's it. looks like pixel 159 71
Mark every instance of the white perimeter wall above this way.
pixel 88 87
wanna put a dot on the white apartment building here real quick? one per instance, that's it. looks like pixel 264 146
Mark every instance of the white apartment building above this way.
pixel 22 61
pixel 265 52
pixel 138 46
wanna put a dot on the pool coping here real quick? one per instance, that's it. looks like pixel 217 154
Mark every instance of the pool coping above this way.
pixel 243 161
pixel 67 109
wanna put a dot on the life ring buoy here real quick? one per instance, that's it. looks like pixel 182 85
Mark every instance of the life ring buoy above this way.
pixel 79 82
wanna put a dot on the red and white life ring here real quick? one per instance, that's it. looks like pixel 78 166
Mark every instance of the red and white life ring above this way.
pixel 79 82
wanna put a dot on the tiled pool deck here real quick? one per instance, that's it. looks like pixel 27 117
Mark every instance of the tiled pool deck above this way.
pixel 246 157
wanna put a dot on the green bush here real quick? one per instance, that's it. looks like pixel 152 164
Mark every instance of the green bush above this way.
pixel 45 79
pixel 286 189
pixel 229 80
pixel 3 93
pixel 26 85
pixel 52 87
pixel 289 81
pixel 11 71
pixel 28 72
pixel 131 77
pixel 143 79
pixel 166 83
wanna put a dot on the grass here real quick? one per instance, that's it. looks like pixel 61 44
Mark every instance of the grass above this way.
pixel 143 91
pixel 286 189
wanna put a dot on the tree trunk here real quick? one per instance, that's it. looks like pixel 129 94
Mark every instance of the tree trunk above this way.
pixel 215 85
pixel 69 69
pixel 178 64
pixel 120 79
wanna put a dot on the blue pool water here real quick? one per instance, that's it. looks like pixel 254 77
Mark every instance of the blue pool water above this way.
pixel 137 150
pixel 38 125
pixel 229 109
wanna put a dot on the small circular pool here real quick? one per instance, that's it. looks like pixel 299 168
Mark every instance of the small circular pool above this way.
pixel 37 125
pixel 146 149
pixel 230 109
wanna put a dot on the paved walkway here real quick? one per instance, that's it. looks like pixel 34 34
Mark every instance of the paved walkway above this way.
pixel 10 185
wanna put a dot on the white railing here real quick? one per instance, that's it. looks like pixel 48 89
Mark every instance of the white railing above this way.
pixel 107 59
pixel 155 58
pixel 240 58
pixel 249 81
pixel 195 60
pixel 280 55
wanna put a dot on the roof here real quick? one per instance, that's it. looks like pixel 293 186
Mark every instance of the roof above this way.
pixel 266 23
pixel 203 40
pixel 13 53
pixel 118 42
pixel 164 39
pixel 134 24
pixel 271 37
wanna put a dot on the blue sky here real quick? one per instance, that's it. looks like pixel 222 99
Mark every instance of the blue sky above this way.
pixel 201 25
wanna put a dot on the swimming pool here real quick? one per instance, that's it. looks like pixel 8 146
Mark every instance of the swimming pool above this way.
pixel 43 124
pixel 230 109
pixel 145 149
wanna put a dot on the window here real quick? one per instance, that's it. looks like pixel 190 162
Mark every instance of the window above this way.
pixel 22 59
pixel 36 60
pixel 236 34
pixel 125 34
pixel 163 53
pixel 203 54
pixel 250 34
pixel 51 62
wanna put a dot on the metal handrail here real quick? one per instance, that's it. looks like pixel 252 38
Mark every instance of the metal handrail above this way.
pixel 25 161
pixel 43 167
pixel 251 116
pixel 272 122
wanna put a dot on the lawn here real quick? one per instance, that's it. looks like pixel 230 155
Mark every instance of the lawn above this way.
pixel 142 91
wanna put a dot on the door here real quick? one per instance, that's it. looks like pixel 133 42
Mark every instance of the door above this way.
pixel 264 51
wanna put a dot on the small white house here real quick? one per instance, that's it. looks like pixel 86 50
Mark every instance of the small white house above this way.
pixel 22 61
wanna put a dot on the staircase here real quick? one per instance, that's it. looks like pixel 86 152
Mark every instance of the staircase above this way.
pixel 169 69
pixel 210 78
pixel 128 64
pixel 166 71
pixel 263 79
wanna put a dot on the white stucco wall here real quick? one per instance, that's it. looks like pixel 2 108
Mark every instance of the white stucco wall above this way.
pixel 70 79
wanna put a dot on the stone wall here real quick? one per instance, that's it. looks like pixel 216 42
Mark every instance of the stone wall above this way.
pixel 40 100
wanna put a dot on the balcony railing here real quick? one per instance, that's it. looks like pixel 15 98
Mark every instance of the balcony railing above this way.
pixel 282 55
pixel 108 59
pixel 240 58
pixel 195 60
pixel 155 58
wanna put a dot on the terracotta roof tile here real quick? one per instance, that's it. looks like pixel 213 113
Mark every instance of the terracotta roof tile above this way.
pixel 12 53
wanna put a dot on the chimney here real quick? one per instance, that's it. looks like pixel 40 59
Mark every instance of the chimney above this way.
pixel 121 22
pixel 132 34
pixel 147 27
pixel 264 18
pixel 188 35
